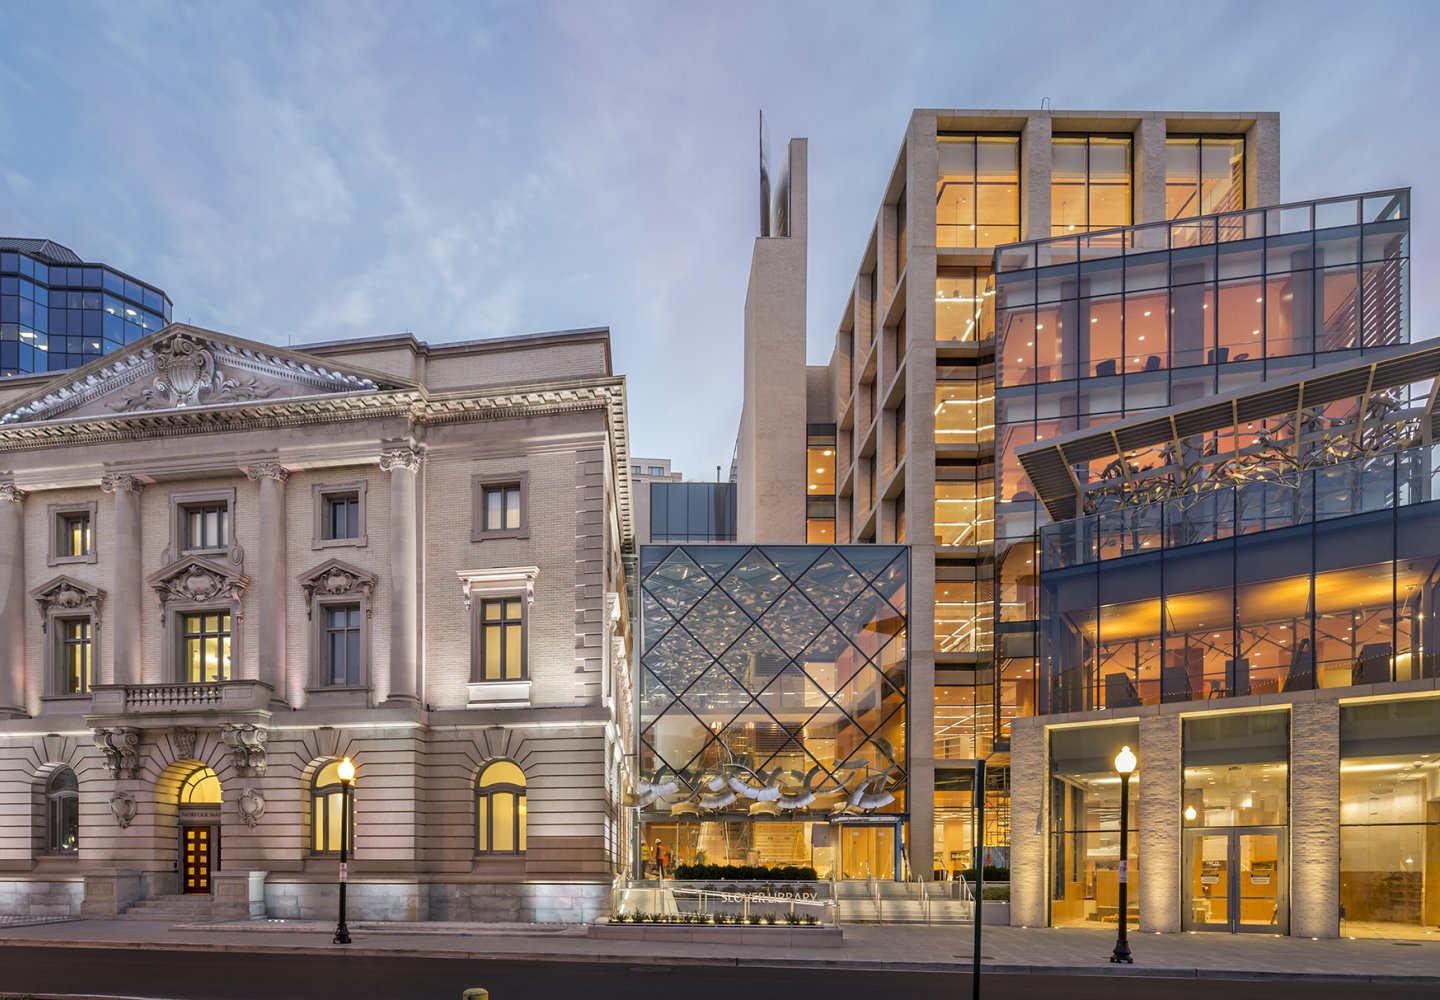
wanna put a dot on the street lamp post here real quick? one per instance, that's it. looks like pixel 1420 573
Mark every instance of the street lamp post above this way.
pixel 1124 766
pixel 347 779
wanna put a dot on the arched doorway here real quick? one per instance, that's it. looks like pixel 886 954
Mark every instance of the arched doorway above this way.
pixel 198 822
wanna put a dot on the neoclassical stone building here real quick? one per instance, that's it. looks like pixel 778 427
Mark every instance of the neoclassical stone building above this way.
pixel 224 566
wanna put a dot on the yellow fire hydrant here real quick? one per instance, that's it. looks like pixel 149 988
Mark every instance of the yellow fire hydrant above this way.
pixel 475 993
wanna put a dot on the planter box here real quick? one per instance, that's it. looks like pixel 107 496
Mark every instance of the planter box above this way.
pixel 779 936
pixel 995 912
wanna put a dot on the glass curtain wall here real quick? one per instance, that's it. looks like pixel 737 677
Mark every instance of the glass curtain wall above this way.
pixel 1390 818
pixel 1329 276
pixel 977 195
pixel 1085 826
pixel 1331 604
pixel 772 703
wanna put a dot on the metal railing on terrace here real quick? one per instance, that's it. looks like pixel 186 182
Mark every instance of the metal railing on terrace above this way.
pixel 1372 208
pixel 1265 503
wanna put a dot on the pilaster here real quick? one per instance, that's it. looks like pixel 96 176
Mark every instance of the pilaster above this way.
pixel 12 600
pixel 270 588
pixel 128 582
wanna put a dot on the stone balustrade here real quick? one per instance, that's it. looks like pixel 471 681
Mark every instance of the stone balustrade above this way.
pixel 224 696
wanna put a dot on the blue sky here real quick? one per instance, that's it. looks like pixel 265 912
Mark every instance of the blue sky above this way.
pixel 294 172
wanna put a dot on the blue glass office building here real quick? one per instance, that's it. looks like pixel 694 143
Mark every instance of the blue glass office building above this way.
pixel 58 311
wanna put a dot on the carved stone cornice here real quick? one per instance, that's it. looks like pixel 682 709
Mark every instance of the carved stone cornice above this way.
pixel 197 580
pixel 267 470
pixel 121 746
pixel 498 581
pixel 247 746
pixel 401 459
pixel 66 594
pixel 334 578
pixel 12 493
pixel 121 482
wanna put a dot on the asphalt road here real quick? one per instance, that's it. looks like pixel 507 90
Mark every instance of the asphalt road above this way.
pixel 277 976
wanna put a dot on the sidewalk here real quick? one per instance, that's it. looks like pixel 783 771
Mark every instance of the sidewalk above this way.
pixel 1005 949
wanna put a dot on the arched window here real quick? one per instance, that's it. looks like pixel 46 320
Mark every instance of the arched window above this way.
pixel 327 798
pixel 500 809
pixel 62 813
pixel 201 788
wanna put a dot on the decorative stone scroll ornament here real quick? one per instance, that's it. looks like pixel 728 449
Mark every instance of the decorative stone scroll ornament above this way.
pixel 252 807
pixel 123 807
pixel 186 374
pixel 267 470
pixel 197 580
pixel 334 578
pixel 121 482
pixel 121 746
pixel 247 746
pixel 65 594
pixel 406 459
pixel 12 493
pixel 184 742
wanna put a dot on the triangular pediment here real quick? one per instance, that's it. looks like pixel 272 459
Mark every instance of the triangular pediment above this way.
pixel 195 580
pixel 186 368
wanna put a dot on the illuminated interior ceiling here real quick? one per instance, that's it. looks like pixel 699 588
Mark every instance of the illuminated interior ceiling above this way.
pixel 1332 413
pixel 1336 592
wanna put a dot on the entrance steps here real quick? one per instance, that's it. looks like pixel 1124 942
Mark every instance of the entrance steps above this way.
pixel 177 909
pixel 897 903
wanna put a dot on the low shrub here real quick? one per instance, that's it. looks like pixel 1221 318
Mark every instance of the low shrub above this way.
pixel 1001 892
pixel 993 873
pixel 744 873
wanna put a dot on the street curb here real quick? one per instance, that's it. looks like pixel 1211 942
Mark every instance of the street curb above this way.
pixel 960 966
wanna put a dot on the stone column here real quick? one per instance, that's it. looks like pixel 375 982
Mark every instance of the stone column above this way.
pixel 1158 821
pixel 12 601
pixel 1035 159
pixel 128 587
pixel 403 464
pixel 270 577
pixel 1315 819
pixel 1029 830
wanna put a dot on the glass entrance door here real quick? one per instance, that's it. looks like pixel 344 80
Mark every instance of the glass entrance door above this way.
pixel 867 851
pixel 1236 880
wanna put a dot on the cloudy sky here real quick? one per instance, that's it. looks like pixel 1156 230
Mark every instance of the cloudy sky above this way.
pixel 313 170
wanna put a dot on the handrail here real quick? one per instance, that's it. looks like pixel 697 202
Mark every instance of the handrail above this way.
pixel 924 899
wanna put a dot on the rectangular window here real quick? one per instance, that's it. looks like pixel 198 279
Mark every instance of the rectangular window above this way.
pixel 502 507
pixel 205 526
pixel 342 516
pixel 656 470
pixel 205 646
pixel 342 645
pixel 820 462
pixel 74 535
pixel 502 640
pixel 1204 175
pixel 75 655
pixel 1089 183
pixel 901 223
pixel 977 195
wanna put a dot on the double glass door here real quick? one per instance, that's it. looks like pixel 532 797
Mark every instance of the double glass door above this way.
pixel 866 851
pixel 1236 879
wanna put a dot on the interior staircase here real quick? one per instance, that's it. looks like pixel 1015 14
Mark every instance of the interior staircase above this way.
pixel 177 909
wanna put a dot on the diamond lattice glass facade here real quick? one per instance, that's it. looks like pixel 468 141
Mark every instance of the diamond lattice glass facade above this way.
pixel 772 687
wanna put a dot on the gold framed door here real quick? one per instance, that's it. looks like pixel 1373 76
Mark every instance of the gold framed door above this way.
pixel 197 845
